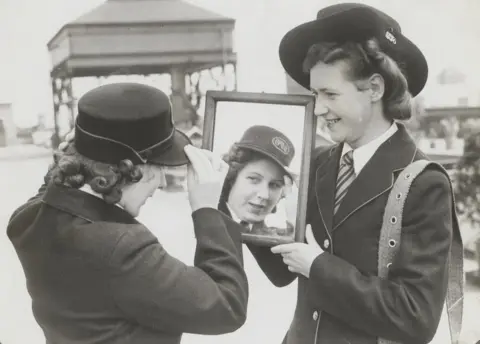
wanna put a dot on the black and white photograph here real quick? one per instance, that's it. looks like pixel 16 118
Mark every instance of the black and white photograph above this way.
pixel 240 171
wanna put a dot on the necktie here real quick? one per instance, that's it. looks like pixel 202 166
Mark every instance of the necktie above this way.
pixel 346 175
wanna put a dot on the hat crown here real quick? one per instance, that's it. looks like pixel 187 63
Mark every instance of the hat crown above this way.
pixel 124 121
pixel 134 114
pixel 342 8
pixel 270 142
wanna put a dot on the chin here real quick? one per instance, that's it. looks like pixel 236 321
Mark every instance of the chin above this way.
pixel 337 137
pixel 134 212
pixel 255 218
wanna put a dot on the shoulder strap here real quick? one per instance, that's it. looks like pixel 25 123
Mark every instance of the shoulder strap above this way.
pixel 390 236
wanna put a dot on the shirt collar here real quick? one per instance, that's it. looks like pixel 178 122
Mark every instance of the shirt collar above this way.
pixel 363 154
pixel 235 217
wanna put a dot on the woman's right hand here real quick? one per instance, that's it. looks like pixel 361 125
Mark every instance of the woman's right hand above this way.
pixel 205 177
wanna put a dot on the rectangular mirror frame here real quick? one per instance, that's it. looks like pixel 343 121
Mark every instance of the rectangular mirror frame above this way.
pixel 309 131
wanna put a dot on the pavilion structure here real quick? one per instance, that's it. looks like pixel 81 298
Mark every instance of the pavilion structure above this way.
pixel 192 45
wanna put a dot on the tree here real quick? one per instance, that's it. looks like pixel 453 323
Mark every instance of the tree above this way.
pixel 467 190
pixel 467 180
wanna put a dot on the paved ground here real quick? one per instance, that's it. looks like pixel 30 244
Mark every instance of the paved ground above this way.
pixel 270 308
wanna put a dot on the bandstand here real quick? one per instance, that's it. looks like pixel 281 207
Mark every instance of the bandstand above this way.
pixel 174 38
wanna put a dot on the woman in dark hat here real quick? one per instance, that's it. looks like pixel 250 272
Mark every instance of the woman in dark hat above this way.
pixel 94 273
pixel 258 179
pixel 364 73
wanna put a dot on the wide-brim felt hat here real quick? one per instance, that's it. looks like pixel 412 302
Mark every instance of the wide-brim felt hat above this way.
pixel 130 121
pixel 270 142
pixel 357 23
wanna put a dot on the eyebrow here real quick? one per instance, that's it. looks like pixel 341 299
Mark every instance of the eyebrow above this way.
pixel 323 89
pixel 261 175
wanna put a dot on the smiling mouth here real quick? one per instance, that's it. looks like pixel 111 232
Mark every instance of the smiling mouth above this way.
pixel 332 121
pixel 257 208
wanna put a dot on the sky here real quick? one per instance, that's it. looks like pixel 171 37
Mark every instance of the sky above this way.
pixel 446 31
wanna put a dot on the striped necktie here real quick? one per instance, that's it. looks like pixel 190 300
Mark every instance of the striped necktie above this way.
pixel 346 175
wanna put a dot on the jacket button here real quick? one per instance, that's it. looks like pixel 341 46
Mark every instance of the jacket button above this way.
pixel 315 316
pixel 326 243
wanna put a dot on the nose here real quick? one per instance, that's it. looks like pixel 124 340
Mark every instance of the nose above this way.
pixel 320 108
pixel 263 191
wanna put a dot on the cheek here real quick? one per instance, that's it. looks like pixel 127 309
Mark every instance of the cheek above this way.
pixel 237 191
pixel 363 109
pixel 247 191
pixel 276 194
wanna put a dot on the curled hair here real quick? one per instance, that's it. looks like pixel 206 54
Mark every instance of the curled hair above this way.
pixel 366 59
pixel 237 158
pixel 73 170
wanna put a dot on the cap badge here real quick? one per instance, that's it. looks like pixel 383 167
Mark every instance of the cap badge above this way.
pixel 390 37
pixel 281 145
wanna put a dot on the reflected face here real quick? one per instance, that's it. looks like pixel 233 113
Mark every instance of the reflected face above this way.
pixel 256 190
pixel 135 195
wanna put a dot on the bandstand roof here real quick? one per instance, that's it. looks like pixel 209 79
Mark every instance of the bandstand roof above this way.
pixel 143 36
pixel 127 12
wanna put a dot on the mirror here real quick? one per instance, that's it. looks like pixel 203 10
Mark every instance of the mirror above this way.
pixel 267 141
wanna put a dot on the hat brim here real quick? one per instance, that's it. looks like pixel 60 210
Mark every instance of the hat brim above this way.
pixel 175 154
pixel 355 24
pixel 268 155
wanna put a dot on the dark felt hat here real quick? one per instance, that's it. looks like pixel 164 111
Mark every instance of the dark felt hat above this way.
pixel 128 121
pixel 353 22
pixel 270 142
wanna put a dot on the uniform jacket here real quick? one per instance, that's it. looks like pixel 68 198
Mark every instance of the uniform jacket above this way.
pixel 344 301
pixel 96 275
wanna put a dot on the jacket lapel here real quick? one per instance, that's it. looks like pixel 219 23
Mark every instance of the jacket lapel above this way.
pixel 325 182
pixel 377 176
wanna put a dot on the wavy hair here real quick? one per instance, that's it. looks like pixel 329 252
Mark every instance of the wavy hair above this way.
pixel 366 59
pixel 73 170
pixel 237 158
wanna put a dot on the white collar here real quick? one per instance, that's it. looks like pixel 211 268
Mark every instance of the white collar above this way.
pixel 235 217
pixel 363 154
pixel 88 189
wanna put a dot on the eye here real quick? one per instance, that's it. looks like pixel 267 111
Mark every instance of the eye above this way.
pixel 276 185
pixel 331 95
pixel 253 179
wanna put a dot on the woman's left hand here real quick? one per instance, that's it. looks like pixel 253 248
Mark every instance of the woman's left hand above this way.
pixel 298 256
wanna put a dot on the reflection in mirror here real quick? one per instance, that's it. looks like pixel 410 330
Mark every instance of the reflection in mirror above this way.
pixel 262 143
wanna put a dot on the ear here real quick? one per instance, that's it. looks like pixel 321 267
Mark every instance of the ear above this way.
pixel 377 87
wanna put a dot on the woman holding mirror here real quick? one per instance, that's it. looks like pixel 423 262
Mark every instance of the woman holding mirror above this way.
pixel 258 179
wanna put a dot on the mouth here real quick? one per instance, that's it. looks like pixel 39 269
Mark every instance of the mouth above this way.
pixel 332 122
pixel 257 208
